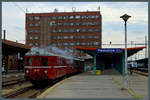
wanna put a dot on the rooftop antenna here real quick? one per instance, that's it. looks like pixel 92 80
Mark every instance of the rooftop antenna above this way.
pixel 26 10
pixel 73 9
pixel 98 8
pixel 55 10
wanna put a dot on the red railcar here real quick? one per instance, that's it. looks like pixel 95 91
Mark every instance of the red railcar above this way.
pixel 49 67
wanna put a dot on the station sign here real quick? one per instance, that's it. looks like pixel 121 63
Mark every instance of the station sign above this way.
pixel 109 50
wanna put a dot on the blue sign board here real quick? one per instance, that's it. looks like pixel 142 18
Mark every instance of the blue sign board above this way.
pixel 109 50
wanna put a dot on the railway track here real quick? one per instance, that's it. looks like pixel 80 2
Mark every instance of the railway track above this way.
pixel 26 92
pixel 13 82
pixel 141 73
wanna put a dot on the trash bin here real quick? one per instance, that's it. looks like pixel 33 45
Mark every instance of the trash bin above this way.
pixel 98 72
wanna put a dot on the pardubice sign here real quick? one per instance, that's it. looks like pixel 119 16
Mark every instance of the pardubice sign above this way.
pixel 109 50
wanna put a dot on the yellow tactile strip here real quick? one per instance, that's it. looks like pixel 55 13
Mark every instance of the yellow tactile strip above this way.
pixel 130 91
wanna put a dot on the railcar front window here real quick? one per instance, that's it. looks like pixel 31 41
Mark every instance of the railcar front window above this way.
pixel 29 61
pixel 44 61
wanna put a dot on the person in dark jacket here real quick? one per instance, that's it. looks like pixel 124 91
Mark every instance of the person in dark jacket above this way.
pixel 131 70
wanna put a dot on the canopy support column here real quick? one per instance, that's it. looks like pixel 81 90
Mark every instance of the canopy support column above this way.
pixel 94 69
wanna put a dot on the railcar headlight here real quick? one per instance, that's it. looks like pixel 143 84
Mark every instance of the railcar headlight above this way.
pixel 45 71
pixel 27 71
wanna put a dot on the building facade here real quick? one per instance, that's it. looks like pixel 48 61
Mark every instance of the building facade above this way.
pixel 64 29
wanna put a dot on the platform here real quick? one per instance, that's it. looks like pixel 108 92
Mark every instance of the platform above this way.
pixel 86 85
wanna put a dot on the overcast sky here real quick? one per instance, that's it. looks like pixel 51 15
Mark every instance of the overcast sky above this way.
pixel 13 18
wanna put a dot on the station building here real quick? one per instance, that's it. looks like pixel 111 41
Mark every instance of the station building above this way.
pixel 13 55
pixel 64 29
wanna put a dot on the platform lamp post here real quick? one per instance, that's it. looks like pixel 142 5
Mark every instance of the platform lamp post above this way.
pixel 125 17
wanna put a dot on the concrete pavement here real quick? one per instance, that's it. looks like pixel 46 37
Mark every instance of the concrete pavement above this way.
pixel 86 85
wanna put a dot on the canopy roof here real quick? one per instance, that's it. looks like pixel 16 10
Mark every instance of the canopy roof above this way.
pixel 130 51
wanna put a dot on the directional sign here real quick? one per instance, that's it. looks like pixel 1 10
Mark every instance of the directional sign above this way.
pixel 109 50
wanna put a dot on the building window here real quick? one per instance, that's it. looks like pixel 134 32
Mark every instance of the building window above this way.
pixel 89 43
pixel 65 17
pixel 96 16
pixel 53 17
pixel 53 23
pixel 30 24
pixel 36 18
pixel 37 24
pixel 30 31
pixel 83 43
pixel 59 30
pixel 54 37
pixel 59 37
pixel 84 23
pixel 30 37
pixel 90 23
pixel 30 44
pixel 36 37
pixel 77 37
pixel 65 37
pixel 78 43
pixel 60 17
pixel 96 37
pixel 96 43
pixel 71 17
pixel 65 24
pixel 90 30
pixel 95 23
pixel 90 37
pixel 36 31
pixel 36 44
pixel 49 18
pixel 77 23
pixel 77 17
pixel 77 30
pixel 83 30
pixel 59 44
pixel 83 37
pixel 71 24
pixel 71 30
pixel 91 16
pixel 71 37
pixel 96 30
pixel 53 44
pixel 65 30
pixel 30 18
pixel 71 44
pixel 54 31
pixel 60 24
pixel 65 44
pixel 83 17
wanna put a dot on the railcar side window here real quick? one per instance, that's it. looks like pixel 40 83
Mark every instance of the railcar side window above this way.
pixel 44 62
pixel 29 61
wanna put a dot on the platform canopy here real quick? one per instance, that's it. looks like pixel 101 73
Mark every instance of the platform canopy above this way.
pixel 130 51
pixel 105 58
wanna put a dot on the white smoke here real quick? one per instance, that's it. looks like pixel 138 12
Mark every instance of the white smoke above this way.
pixel 54 51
